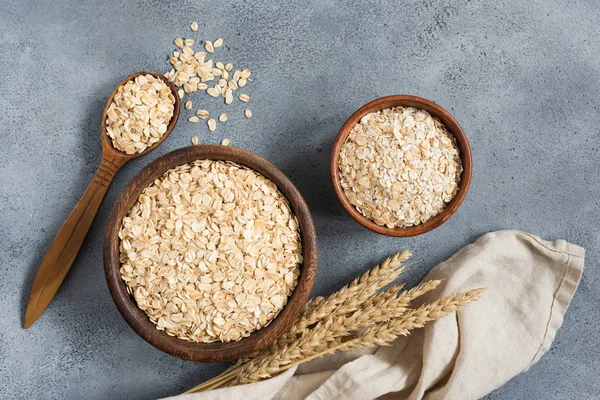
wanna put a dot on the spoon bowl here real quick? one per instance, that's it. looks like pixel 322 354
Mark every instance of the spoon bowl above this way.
pixel 108 149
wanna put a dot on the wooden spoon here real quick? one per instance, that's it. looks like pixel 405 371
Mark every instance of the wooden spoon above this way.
pixel 66 244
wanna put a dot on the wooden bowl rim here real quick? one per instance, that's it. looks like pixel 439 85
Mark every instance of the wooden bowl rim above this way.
pixel 209 352
pixel 451 125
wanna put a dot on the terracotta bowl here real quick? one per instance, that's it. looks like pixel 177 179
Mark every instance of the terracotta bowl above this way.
pixel 209 352
pixel 452 127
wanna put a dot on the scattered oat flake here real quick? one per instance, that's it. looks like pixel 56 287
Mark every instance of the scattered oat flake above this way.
pixel 228 96
pixel 232 85
pixel 248 113
pixel 194 71
pixel 225 142
pixel 202 114
pixel 223 117
pixel 194 140
pixel 212 124
pixel 214 92
pixel 193 119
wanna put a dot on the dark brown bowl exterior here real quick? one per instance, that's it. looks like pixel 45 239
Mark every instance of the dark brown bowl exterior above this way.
pixel 451 125
pixel 209 352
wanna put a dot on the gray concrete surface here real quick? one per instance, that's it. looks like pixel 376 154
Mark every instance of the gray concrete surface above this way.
pixel 521 77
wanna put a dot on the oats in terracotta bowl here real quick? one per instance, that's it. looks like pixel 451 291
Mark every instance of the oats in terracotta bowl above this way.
pixel 399 167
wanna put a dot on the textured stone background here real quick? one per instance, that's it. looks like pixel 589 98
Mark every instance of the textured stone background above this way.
pixel 521 77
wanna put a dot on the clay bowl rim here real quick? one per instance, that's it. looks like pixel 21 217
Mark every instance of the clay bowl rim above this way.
pixel 209 352
pixel 451 125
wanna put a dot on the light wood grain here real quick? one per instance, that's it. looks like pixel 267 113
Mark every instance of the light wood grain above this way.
pixel 68 241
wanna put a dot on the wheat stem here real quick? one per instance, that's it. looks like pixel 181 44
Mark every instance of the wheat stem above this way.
pixel 224 377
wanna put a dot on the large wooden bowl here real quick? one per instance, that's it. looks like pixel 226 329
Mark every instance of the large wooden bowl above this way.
pixel 452 127
pixel 209 352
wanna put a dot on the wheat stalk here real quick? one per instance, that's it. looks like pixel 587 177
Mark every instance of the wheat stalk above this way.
pixel 382 307
pixel 351 296
pixel 347 299
pixel 385 333
pixel 358 315
pixel 382 334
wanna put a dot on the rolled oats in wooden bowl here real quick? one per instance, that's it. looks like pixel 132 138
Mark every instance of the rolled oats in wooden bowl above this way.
pixel 210 253
pixel 401 165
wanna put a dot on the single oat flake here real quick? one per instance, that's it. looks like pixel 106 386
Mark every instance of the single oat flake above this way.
pixel 212 124
pixel 202 114
pixel 399 167
pixel 210 252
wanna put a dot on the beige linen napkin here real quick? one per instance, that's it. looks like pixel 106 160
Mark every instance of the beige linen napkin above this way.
pixel 466 355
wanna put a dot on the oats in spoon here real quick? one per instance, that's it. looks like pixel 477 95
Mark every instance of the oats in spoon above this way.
pixel 139 114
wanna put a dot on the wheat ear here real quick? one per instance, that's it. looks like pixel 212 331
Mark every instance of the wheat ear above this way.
pixel 382 334
pixel 347 299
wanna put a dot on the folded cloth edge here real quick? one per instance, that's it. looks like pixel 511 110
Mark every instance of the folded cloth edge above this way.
pixel 565 292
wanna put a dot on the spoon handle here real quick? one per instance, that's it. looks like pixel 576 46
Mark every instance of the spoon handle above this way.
pixel 66 244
